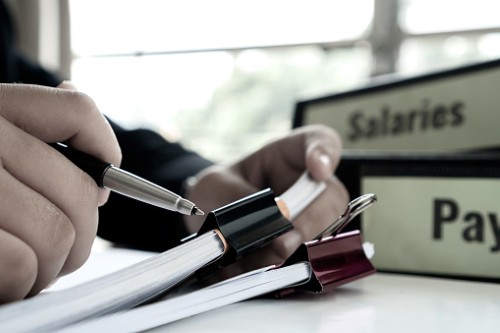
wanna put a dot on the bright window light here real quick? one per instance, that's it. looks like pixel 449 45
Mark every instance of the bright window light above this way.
pixel 130 26
pixel 427 16
pixel 203 72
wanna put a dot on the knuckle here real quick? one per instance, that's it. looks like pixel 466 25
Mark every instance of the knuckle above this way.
pixel 60 236
pixel 65 234
pixel 83 227
pixel 79 102
pixel 19 271
pixel 75 262
pixel 86 198
pixel 89 193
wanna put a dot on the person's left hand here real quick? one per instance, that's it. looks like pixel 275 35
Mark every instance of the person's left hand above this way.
pixel 277 165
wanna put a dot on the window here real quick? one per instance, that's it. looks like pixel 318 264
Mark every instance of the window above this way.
pixel 439 34
pixel 223 76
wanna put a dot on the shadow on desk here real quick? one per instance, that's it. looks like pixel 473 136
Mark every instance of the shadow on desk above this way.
pixel 379 303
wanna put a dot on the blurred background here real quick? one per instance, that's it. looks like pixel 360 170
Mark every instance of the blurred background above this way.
pixel 223 76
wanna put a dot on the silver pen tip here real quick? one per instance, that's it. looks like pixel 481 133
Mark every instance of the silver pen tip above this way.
pixel 197 211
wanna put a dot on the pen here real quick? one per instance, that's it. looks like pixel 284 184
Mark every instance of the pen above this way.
pixel 120 181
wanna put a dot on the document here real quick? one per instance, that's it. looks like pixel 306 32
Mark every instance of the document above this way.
pixel 317 266
pixel 123 289
pixel 237 289
pixel 230 232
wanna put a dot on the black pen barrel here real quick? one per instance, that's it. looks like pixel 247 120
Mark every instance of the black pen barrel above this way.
pixel 94 167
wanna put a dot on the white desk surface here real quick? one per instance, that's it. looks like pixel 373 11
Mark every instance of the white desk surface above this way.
pixel 379 303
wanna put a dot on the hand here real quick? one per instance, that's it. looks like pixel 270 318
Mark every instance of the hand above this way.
pixel 48 207
pixel 277 165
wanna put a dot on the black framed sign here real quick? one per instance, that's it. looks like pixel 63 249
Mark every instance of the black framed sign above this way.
pixel 454 109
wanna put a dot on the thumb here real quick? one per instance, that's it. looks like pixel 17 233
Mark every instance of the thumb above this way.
pixel 67 85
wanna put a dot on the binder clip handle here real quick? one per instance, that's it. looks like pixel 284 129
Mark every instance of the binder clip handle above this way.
pixel 354 208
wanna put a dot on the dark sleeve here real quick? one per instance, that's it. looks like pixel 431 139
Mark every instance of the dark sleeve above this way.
pixel 29 72
pixel 135 224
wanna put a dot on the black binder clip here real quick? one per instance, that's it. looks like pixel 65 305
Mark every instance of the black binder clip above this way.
pixel 247 224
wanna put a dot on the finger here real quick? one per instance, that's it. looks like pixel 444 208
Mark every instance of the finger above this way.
pixel 18 264
pixel 38 223
pixel 55 178
pixel 323 151
pixel 52 115
pixel 316 149
pixel 315 218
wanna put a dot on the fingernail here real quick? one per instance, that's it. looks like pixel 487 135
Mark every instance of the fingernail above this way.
pixel 325 159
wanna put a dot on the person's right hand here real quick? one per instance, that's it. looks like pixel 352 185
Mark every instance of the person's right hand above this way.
pixel 48 206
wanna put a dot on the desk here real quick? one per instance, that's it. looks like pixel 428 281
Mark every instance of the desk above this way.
pixel 379 303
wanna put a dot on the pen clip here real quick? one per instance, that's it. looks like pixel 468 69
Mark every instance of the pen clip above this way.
pixel 354 208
